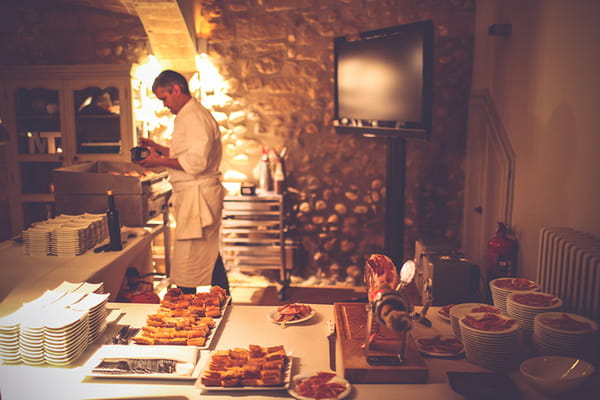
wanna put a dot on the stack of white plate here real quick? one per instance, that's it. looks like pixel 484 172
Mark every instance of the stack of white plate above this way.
pixel 65 235
pixel 492 349
pixel 95 305
pixel 66 335
pixel 67 287
pixel 99 226
pixel 518 306
pixel 31 338
pixel 460 310
pixel 502 287
pixel 56 327
pixel 9 339
pixel 87 287
pixel 69 240
pixel 565 339
pixel 66 300
pixel 36 240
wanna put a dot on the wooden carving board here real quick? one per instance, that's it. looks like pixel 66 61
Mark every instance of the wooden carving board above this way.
pixel 350 321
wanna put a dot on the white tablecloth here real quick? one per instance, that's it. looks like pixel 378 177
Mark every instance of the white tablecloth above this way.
pixel 24 278
pixel 243 325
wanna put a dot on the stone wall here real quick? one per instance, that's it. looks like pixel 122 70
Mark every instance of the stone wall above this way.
pixel 277 59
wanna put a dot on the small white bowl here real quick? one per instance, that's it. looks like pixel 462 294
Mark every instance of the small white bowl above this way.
pixel 556 374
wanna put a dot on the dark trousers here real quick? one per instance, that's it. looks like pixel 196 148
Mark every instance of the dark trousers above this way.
pixel 219 278
pixel 219 275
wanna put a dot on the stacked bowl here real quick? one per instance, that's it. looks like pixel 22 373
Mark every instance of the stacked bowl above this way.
pixel 525 306
pixel 565 334
pixel 460 310
pixel 556 375
pixel 502 287
pixel 491 340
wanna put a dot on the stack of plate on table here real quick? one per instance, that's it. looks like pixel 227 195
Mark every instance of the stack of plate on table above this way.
pixel 87 287
pixel 491 340
pixel 525 306
pixel 36 240
pixel 65 235
pixel 9 339
pixel 56 327
pixel 66 333
pixel 565 334
pixel 460 310
pixel 71 239
pixel 80 287
pixel 95 305
pixel 99 226
pixel 502 287
pixel 31 338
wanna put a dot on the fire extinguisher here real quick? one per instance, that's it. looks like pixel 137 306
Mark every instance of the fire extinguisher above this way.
pixel 501 254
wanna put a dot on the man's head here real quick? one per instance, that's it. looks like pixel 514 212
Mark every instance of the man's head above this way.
pixel 172 89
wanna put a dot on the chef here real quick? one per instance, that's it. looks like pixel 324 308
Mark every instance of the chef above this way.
pixel 192 162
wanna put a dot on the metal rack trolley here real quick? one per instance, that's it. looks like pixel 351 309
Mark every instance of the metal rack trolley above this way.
pixel 253 235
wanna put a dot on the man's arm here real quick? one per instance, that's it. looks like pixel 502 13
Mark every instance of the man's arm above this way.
pixel 156 160
pixel 152 145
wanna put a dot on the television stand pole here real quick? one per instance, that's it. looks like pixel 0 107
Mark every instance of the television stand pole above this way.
pixel 394 200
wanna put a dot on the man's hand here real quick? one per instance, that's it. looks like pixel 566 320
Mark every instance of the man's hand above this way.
pixel 158 157
pixel 152 145
pixel 152 160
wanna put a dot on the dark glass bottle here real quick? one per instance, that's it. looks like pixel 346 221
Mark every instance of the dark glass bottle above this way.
pixel 114 224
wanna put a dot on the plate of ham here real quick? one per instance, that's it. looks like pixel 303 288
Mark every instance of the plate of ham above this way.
pixel 440 345
pixel 444 312
pixel 320 386
pixel 293 313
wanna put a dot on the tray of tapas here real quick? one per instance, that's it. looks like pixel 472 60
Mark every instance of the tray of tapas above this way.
pixel 185 319
pixel 246 369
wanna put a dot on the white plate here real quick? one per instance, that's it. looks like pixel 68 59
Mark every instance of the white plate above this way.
pixel 437 354
pixel 143 352
pixel 336 379
pixel 287 375
pixel 273 315
pixel 444 316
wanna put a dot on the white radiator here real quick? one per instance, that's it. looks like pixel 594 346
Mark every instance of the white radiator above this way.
pixel 569 267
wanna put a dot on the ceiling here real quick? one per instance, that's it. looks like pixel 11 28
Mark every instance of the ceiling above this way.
pixel 168 24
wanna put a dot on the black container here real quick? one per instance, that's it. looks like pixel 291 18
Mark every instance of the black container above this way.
pixel 138 153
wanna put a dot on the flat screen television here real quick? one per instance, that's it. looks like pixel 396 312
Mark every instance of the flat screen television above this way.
pixel 383 81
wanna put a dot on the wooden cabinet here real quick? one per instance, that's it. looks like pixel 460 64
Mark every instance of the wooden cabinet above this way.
pixel 253 233
pixel 57 116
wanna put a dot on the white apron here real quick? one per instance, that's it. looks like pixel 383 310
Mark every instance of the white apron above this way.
pixel 198 206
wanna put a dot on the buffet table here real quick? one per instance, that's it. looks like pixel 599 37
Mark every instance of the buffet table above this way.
pixel 26 277
pixel 242 325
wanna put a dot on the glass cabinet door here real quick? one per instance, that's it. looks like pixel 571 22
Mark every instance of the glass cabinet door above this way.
pixel 39 146
pixel 56 116
pixel 37 112
pixel 97 120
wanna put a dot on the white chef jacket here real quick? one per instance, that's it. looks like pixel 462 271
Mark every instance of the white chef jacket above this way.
pixel 197 195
